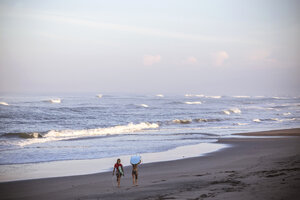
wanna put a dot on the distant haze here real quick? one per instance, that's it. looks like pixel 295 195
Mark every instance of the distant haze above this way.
pixel 160 47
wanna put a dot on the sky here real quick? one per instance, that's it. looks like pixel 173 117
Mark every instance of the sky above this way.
pixel 219 47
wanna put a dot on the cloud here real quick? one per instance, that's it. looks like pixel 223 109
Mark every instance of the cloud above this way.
pixel 220 57
pixel 191 60
pixel 149 60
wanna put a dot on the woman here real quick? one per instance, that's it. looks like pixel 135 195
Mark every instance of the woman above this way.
pixel 135 173
pixel 119 171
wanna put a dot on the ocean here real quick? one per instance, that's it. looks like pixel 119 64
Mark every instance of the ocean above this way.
pixel 35 129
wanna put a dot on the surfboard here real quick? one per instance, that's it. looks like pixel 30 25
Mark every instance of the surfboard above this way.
pixel 135 159
pixel 120 170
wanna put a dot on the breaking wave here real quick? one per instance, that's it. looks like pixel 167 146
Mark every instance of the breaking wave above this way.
pixel 74 134
pixel 241 124
pixel 256 120
pixel 207 120
pixel 241 96
pixel 194 95
pixel 99 95
pixel 232 110
pixel 274 119
pixel 193 102
pixel 22 135
pixel 4 103
pixel 143 105
pixel 55 100
pixel 182 121
pixel 287 113
pixel 214 97
pixel 160 95
pixel 197 120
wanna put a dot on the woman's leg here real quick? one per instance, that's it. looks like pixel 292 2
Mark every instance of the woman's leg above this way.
pixel 136 178
pixel 119 180
pixel 133 178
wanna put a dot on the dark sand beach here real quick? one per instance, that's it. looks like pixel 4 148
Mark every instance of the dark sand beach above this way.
pixel 253 168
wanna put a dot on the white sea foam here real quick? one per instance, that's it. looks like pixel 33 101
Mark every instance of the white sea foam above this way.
pixel 241 124
pixel 226 112
pixel 55 100
pixel 261 108
pixel 279 97
pixel 232 110
pixel 283 120
pixel 99 95
pixel 182 121
pixel 193 102
pixel 241 96
pixel 160 95
pixel 74 134
pixel 256 120
pixel 287 113
pixel 235 110
pixel 4 103
pixel 144 105
pixel 214 97
pixel 194 95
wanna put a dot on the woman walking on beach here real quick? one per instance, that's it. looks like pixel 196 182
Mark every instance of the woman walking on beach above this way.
pixel 119 171
pixel 135 173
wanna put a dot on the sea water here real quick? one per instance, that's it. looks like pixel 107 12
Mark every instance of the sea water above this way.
pixel 36 129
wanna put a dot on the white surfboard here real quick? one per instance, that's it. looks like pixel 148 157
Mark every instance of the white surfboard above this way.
pixel 135 159
pixel 120 170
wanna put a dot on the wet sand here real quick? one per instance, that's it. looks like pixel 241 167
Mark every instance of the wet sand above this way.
pixel 253 168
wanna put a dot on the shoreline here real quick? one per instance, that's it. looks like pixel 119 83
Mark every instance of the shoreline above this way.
pixel 55 169
pixel 253 168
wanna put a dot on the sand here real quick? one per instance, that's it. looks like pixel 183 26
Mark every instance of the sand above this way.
pixel 253 168
pixel 282 132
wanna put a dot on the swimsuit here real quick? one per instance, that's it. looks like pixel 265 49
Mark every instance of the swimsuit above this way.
pixel 135 172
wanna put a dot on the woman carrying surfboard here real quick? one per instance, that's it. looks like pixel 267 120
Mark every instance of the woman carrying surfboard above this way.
pixel 119 171
pixel 135 161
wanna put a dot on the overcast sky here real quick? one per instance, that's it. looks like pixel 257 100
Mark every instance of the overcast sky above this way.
pixel 219 47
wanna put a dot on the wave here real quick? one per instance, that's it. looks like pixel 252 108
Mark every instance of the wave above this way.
pixel 260 108
pixel 256 120
pixel 214 97
pixel 197 120
pixel 4 103
pixel 286 114
pixel 143 105
pixel 241 96
pixel 194 95
pixel 274 119
pixel 193 102
pixel 280 98
pixel 75 134
pixel 241 124
pixel 226 112
pixel 22 135
pixel 207 120
pixel 55 100
pixel 160 95
pixel 232 110
pixel 99 95
pixel 182 121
